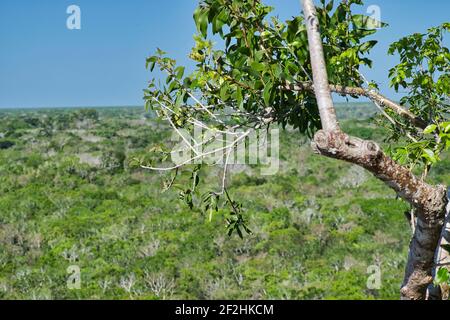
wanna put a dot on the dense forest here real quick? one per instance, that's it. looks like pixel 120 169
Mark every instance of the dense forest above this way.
pixel 70 195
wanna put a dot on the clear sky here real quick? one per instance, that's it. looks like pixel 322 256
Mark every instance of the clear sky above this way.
pixel 43 64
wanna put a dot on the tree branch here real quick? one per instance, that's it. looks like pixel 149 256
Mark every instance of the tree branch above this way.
pixel 362 92
pixel 319 70
pixel 429 201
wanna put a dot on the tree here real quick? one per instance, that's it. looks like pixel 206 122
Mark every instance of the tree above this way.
pixel 271 73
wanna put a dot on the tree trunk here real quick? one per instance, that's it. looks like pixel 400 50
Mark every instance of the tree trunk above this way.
pixel 442 260
pixel 429 201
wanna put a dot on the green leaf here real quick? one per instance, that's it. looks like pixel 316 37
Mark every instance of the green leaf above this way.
pixel 447 127
pixel 239 232
pixel 180 98
pixel 152 62
pixel 256 66
pixel 429 155
pixel 430 129
pixel 339 15
pixel 201 21
pixel 159 52
pixel 442 276
pixel 218 22
pixel 224 94
pixel 239 97
pixel 367 45
pixel 330 5
pixel 267 93
pixel 172 87
pixel 179 72
pixel 365 22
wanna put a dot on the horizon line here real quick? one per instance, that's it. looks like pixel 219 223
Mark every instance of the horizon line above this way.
pixel 131 106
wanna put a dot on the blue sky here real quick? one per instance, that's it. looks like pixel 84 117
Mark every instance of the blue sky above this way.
pixel 43 64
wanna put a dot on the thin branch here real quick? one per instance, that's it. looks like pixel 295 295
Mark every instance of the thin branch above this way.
pixel 172 181
pixel 203 107
pixel 383 112
pixel 442 264
pixel 225 169
pixel 362 92
pixel 198 156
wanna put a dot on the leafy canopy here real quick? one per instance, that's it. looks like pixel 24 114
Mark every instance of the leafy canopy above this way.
pixel 246 59
pixel 259 55
pixel 424 71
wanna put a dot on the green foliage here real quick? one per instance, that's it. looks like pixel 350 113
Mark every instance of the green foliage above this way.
pixel 442 277
pixel 424 70
pixel 60 206
pixel 244 84
pixel 63 202
pixel 258 57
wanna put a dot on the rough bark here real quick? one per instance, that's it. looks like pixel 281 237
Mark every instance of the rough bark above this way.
pixel 442 260
pixel 418 274
pixel 429 201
